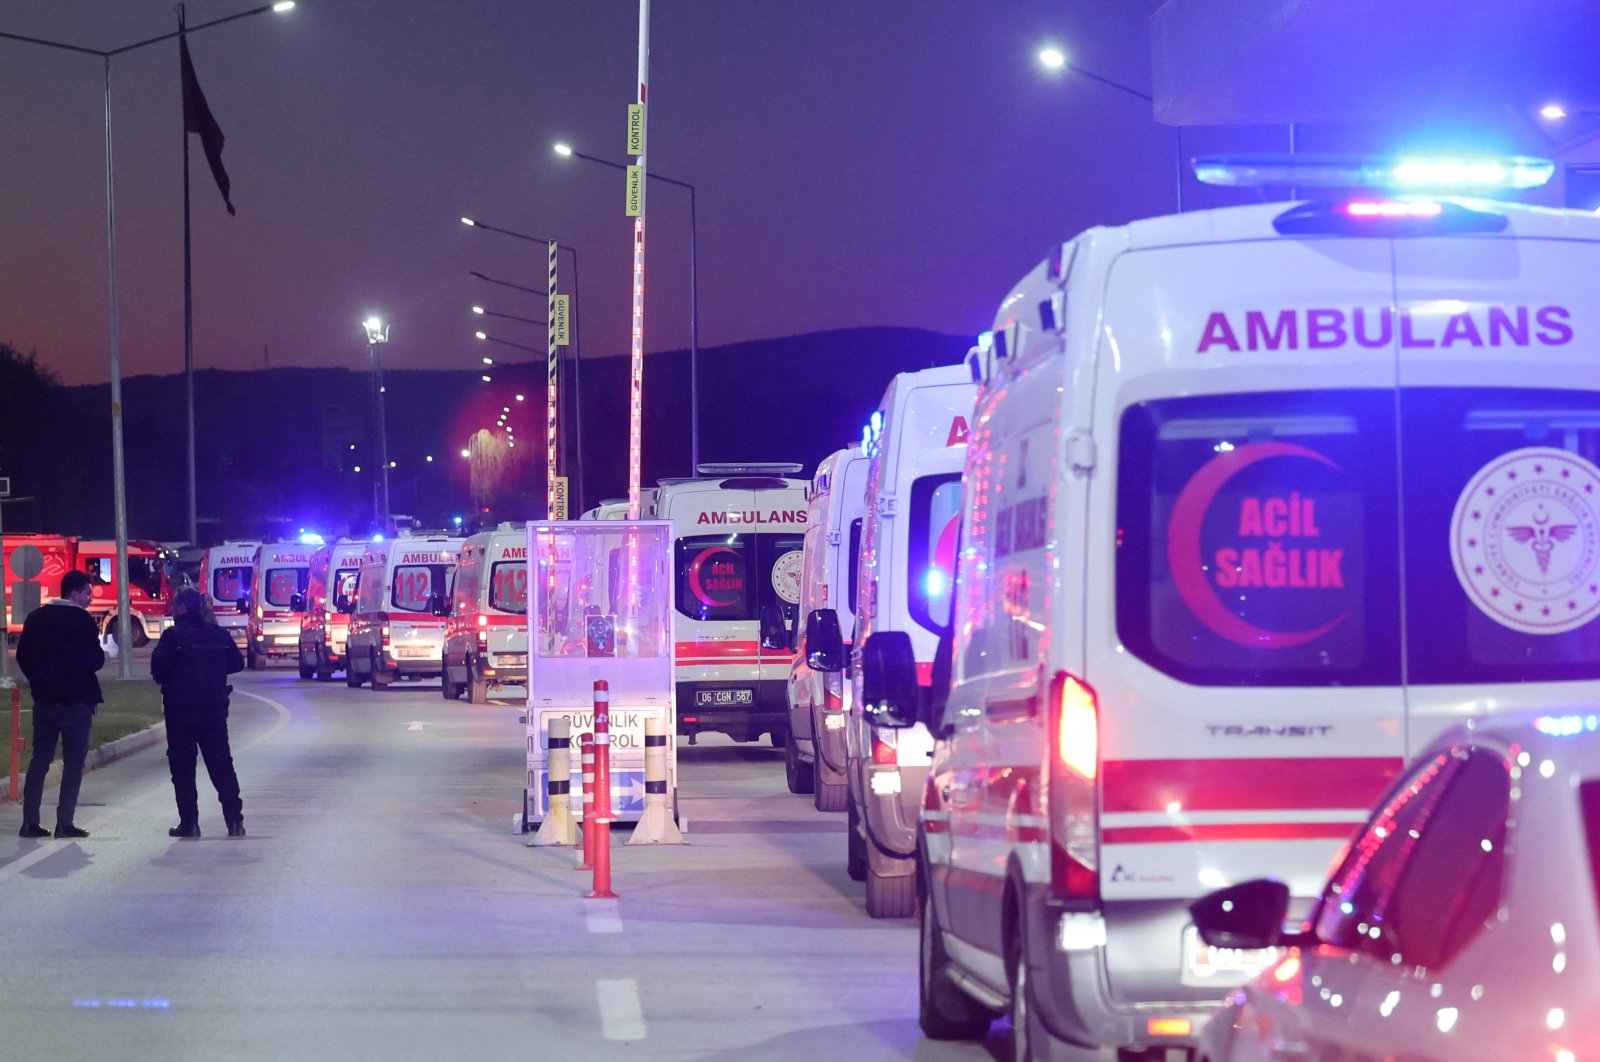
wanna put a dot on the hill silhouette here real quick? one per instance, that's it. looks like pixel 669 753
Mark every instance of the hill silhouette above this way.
pixel 278 448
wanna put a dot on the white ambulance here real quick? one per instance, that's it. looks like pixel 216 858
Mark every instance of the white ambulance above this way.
pixel 277 601
pixel 916 445
pixel 226 572
pixel 737 536
pixel 1258 501
pixel 486 636
pixel 402 601
pixel 815 756
pixel 330 601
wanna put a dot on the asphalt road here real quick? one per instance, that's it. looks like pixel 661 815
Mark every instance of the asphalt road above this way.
pixel 381 907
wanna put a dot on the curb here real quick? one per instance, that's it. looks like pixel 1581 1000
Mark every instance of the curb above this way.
pixel 110 752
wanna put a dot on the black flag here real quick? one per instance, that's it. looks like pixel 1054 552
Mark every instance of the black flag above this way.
pixel 197 119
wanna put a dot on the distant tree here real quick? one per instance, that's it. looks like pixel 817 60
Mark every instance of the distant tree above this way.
pixel 31 436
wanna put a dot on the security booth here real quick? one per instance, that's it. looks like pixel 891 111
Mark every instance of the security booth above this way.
pixel 599 607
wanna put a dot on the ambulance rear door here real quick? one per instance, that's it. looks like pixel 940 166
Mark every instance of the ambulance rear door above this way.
pixel 1499 420
pixel 1240 579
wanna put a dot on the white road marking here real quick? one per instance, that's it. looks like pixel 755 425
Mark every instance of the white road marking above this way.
pixel 415 725
pixel 48 848
pixel 621 1016
pixel 602 916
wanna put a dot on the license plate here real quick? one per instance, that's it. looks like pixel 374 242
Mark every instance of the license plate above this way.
pixel 423 651
pixel 1207 965
pixel 716 698
pixel 288 640
pixel 512 659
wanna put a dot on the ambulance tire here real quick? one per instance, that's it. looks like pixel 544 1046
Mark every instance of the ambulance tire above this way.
pixel 1029 1039
pixel 380 678
pixel 257 661
pixel 891 897
pixel 323 670
pixel 352 677
pixel 855 859
pixel 306 671
pixel 450 690
pixel 477 688
pixel 796 772
pixel 825 796
pixel 944 1011
pixel 779 738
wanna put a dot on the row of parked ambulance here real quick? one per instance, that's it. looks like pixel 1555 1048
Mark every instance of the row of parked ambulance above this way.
pixel 1230 517
pixel 419 605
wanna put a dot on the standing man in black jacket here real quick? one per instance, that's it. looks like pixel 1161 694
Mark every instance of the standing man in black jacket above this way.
pixel 60 652
pixel 192 663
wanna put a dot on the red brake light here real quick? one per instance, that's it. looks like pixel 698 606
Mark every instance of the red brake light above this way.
pixel 1074 731
pixel 883 753
pixel 483 621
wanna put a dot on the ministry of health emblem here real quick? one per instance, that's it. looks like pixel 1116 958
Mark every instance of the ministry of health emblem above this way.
pixel 1525 540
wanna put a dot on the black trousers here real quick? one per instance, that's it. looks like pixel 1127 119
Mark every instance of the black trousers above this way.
pixel 203 732
pixel 70 724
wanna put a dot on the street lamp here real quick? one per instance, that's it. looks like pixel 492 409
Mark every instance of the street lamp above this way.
pixel 1055 60
pixel 118 463
pixel 567 151
pixel 481 312
pixel 480 334
pixel 377 335
pixel 575 445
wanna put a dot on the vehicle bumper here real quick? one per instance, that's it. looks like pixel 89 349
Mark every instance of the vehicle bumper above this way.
pixel 277 639
pixel 891 802
pixel 769 712
pixel 1071 982
pixel 831 750
pixel 424 666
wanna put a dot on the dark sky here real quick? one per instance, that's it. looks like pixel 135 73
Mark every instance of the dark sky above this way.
pixel 889 162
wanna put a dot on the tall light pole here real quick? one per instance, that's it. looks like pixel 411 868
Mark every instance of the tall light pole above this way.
pixel 567 151
pixel 575 446
pixel 118 463
pixel 377 335
pixel 1055 60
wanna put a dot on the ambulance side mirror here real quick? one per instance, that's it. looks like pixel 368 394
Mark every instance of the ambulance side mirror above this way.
pixel 1247 915
pixel 889 692
pixel 774 635
pixel 439 604
pixel 297 603
pixel 824 643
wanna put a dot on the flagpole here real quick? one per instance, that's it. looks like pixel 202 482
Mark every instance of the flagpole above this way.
pixel 119 486
pixel 188 332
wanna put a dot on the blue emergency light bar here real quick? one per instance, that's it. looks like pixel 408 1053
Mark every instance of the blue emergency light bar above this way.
pixel 1412 174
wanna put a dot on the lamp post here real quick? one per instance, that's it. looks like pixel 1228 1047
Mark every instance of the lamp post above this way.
pixel 118 464
pixel 567 151
pixel 482 312
pixel 377 335
pixel 575 445
pixel 1055 60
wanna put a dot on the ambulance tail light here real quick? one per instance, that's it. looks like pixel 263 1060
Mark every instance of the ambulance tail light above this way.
pixel 883 748
pixel 1074 736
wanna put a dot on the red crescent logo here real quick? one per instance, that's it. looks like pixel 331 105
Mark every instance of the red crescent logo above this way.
pixel 694 576
pixel 1187 564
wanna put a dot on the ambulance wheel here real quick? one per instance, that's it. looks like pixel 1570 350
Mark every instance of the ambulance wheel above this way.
pixel 307 672
pixel 257 661
pixel 450 690
pixel 352 677
pixel 477 687
pixel 855 858
pixel 324 670
pixel 796 771
pixel 891 897
pixel 943 1010
pixel 779 738
pixel 380 679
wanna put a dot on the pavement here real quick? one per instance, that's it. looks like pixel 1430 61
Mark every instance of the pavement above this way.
pixel 381 907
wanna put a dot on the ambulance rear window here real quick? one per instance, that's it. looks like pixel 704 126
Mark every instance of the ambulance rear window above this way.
pixel 1285 538
pixel 230 584
pixel 416 586
pixel 344 590
pixel 508 587
pixel 730 577
pixel 282 584
pixel 1257 538
pixel 931 559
